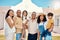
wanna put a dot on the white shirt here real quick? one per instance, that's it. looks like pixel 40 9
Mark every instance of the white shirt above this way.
pixel 32 26
pixel 24 20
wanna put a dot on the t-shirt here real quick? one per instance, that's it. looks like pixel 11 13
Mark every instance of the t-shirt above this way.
pixel 49 23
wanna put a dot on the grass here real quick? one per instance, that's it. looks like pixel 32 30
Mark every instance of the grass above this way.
pixel 53 38
pixel 2 37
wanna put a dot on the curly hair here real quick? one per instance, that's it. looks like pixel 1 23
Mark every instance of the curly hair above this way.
pixel 38 19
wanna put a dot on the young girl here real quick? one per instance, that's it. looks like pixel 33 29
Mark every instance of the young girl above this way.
pixel 24 18
pixel 41 25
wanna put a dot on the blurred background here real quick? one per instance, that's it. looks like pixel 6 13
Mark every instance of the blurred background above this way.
pixel 39 6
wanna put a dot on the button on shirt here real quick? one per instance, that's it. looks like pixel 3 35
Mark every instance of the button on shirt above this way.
pixel 32 26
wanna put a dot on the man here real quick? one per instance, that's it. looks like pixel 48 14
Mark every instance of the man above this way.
pixel 32 27
pixel 18 25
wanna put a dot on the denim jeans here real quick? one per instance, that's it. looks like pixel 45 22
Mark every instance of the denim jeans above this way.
pixel 32 36
pixel 18 36
pixel 48 35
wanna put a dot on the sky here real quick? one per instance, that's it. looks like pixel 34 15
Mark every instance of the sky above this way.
pixel 39 3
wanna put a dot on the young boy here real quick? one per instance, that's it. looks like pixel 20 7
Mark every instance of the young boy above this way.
pixel 49 27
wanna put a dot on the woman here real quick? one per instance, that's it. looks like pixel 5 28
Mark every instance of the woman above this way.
pixel 24 18
pixel 41 25
pixel 9 25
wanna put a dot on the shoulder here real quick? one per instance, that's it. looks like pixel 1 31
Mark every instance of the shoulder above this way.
pixel 8 19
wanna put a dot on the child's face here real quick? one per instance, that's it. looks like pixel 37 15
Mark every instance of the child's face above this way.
pixel 25 14
pixel 49 17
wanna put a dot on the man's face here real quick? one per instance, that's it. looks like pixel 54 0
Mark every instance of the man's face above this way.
pixel 33 15
pixel 18 12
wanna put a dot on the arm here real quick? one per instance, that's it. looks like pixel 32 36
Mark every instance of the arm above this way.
pixel 9 22
pixel 51 28
pixel 38 35
pixel 23 31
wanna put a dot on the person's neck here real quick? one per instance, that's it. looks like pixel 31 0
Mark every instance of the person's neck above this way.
pixel 50 19
pixel 41 21
pixel 18 16
pixel 24 16
pixel 33 19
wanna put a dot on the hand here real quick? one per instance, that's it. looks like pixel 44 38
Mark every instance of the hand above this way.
pixel 50 30
pixel 22 38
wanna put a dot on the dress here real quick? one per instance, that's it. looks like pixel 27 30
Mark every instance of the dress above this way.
pixel 9 32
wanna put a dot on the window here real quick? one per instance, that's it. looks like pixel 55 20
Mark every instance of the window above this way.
pixel 57 21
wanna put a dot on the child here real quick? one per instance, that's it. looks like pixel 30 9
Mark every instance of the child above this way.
pixel 25 29
pixel 49 26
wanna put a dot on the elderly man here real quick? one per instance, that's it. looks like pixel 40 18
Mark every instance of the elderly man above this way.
pixel 32 27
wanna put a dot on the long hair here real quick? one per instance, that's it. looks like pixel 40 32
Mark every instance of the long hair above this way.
pixel 39 20
pixel 23 14
pixel 8 13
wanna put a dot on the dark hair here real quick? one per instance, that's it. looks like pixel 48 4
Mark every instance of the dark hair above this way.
pixel 8 13
pixel 34 12
pixel 18 10
pixel 26 12
pixel 38 19
pixel 50 14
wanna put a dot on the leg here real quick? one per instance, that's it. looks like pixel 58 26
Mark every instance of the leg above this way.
pixel 29 37
pixel 35 37
pixel 40 37
pixel 18 36
pixel 48 36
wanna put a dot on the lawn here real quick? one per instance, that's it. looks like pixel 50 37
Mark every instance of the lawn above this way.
pixel 54 37
pixel 2 37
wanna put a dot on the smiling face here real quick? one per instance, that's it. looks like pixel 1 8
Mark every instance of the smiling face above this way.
pixel 25 14
pixel 49 17
pixel 41 17
pixel 18 12
pixel 11 13
pixel 33 15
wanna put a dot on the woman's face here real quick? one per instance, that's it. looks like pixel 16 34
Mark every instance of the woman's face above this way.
pixel 41 17
pixel 25 14
pixel 11 13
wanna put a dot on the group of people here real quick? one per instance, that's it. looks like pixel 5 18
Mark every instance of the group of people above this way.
pixel 28 28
